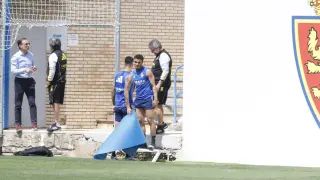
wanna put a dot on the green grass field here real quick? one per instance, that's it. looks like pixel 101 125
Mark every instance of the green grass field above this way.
pixel 58 168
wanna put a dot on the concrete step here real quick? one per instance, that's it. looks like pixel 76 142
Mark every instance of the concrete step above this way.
pixel 179 80
pixel 170 102
pixel 168 110
pixel 168 118
pixel 75 143
pixel 171 94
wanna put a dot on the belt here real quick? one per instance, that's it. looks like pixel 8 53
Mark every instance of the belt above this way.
pixel 28 79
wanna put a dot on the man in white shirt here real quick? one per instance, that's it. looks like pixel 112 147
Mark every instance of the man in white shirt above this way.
pixel 56 80
pixel 22 68
pixel 161 69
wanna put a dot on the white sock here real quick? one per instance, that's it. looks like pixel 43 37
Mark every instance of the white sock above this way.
pixel 57 123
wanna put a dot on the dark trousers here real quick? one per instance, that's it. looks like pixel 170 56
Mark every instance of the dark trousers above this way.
pixel 27 86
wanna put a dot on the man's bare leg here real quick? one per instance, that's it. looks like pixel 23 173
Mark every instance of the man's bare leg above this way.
pixel 150 115
pixel 141 113
pixel 160 114
pixel 56 108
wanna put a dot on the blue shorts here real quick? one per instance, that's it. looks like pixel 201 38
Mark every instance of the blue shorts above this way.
pixel 143 104
pixel 120 113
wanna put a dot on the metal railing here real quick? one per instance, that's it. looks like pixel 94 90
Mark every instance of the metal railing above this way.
pixel 176 94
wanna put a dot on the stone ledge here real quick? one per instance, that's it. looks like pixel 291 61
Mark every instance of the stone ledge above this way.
pixel 75 143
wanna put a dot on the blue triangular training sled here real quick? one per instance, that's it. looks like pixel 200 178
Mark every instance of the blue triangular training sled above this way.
pixel 127 136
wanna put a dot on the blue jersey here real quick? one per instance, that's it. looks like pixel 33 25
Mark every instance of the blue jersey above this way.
pixel 119 82
pixel 142 83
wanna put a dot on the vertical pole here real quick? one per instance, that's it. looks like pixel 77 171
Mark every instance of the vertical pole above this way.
pixel 6 77
pixel 175 98
pixel 2 79
pixel 175 94
pixel 2 63
pixel 117 59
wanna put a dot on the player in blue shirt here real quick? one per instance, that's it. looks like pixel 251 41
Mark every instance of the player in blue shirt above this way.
pixel 120 109
pixel 146 96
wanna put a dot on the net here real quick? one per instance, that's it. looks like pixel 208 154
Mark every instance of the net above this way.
pixel 62 12
pixel 53 13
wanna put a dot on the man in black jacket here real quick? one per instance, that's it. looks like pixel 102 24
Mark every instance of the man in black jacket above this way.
pixel 161 69
pixel 56 80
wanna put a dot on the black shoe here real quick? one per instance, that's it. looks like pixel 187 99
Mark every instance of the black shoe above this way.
pixel 18 128
pixel 151 147
pixel 160 129
pixel 53 127
pixel 165 125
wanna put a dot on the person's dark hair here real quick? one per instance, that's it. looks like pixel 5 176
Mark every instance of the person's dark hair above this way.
pixel 128 60
pixel 139 56
pixel 19 42
pixel 55 44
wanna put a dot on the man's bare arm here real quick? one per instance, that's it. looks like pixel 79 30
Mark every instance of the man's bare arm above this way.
pixel 127 86
pixel 153 84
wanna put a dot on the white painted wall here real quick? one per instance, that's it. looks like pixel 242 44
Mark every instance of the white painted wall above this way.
pixel 255 112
